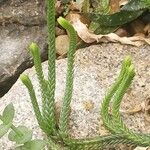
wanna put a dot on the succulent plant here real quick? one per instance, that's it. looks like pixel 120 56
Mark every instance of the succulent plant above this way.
pixel 57 133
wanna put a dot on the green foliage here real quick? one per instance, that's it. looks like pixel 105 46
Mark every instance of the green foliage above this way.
pixel 4 129
pixel 20 134
pixel 27 82
pixel 115 19
pixel 102 6
pixel 8 114
pixel 6 118
pixel 57 134
pixel 64 115
pixel 109 22
pixel 32 145
pixel 26 135
pixel 136 5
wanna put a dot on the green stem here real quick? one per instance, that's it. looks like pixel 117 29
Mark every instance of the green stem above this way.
pixel 35 51
pixel 52 145
pixel 96 143
pixel 119 126
pixel 48 104
pixel 65 111
pixel 105 104
pixel 27 82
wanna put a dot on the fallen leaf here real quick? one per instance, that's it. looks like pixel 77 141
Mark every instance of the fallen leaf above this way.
pixel 89 37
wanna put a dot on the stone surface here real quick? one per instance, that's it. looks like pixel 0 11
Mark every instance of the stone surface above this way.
pixel 96 67
pixel 62 44
pixel 22 12
pixel 21 22
pixel 14 54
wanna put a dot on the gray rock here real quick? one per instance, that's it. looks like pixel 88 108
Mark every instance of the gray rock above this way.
pixel 14 54
pixel 96 67
pixel 23 12
pixel 21 22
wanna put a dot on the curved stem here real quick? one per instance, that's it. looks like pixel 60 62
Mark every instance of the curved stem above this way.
pixel 65 111
pixel 119 126
pixel 27 82
pixel 105 104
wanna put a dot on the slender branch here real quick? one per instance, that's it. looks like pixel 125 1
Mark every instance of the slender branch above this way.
pixel 120 127
pixel 64 115
pixel 48 105
pixel 27 82
pixel 105 104
pixel 35 51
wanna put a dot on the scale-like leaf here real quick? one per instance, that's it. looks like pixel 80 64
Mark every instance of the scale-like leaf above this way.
pixel 25 136
pixel 4 129
pixel 32 145
pixel 8 114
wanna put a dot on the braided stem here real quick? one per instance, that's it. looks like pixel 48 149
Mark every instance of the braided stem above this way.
pixel 96 143
pixel 64 115
pixel 27 82
pixel 35 51
pixel 48 104
pixel 120 127
pixel 105 104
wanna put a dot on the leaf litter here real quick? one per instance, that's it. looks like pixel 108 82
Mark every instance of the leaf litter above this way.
pixel 89 37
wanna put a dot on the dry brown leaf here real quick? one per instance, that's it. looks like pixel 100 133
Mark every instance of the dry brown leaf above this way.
pixel 87 36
